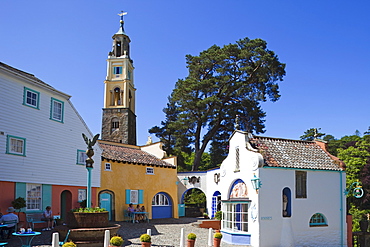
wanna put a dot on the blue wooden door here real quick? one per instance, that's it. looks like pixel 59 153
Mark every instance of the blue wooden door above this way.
pixel 106 202
pixel 161 206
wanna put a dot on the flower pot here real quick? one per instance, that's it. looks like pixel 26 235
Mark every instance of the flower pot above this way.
pixel 216 242
pixel 191 243
pixel 146 244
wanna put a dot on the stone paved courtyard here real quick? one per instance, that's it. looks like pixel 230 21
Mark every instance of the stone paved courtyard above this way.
pixel 165 232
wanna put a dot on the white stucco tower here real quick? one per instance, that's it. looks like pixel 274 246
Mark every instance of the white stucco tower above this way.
pixel 119 119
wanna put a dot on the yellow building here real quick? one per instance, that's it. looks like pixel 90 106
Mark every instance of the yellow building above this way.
pixel 130 173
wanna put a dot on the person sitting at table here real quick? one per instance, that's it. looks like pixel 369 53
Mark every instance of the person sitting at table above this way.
pixel 47 216
pixel 137 216
pixel 10 216
pixel 130 211
pixel 142 209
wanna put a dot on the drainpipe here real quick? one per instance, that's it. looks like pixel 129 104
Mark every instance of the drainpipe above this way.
pixel 341 208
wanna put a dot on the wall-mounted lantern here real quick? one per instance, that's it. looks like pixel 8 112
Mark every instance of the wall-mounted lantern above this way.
pixel 356 189
pixel 256 183
pixel 185 179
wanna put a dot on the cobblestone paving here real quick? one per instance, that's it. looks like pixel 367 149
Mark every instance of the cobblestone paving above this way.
pixel 165 232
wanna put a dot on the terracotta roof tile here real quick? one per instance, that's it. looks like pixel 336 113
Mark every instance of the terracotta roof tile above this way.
pixel 131 155
pixel 295 154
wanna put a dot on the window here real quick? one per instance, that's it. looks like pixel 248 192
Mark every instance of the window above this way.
pixel 117 70
pixel 318 220
pixel 300 184
pixel 108 167
pixel 115 124
pixel 81 195
pixel 160 200
pixel 235 216
pixel 56 111
pixel 150 170
pixel 129 74
pixel 81 157
pixel 16 145
pixel 34 197
pixel 287 202
pixel 237 160
pixel 31 98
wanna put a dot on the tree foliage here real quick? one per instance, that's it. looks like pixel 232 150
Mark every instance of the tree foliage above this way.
pixel 222 82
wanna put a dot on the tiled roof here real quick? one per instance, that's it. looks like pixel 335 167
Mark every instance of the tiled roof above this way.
pixel 131 155
pixel 295 154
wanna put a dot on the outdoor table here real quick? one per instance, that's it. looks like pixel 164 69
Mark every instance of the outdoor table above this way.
pixel 145 214
pixel 26 238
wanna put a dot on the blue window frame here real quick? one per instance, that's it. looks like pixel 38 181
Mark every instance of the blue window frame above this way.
pixel 31 98
pixel 117 70
pixel 81 157
pixel 318 220
pixel 57 110
pixel 16 145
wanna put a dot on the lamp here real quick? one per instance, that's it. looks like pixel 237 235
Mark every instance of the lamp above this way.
pixel 185 179
pixel 256 183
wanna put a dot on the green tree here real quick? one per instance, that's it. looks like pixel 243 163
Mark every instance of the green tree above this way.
pixel 223 82
pixel 311 134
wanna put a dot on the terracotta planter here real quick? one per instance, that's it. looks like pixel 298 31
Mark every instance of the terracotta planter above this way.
pixel 146 244
pixel 87 220
pixel 191 243
pixel 216 242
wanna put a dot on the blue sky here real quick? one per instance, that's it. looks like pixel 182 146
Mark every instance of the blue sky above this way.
pixel 323 43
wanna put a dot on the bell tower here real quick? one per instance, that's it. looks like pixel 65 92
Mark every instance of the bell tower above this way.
pixel 119 119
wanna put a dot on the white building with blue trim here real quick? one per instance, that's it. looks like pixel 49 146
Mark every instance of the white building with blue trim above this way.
pixel 42 150
pixel 276 192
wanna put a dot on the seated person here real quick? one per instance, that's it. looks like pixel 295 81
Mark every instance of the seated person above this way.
pixel 10 216
pixel 142 209
pixel 138 216
pixel 48 217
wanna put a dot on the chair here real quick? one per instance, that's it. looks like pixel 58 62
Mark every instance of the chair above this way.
pixel 8 223
pixel 65 239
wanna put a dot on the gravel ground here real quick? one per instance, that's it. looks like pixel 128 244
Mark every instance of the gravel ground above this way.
pixel 165 232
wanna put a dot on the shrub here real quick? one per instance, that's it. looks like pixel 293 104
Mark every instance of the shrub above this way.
pixel 116 241
pixel 218 215
pixel 146 238
pixel 218 235
pixel 89 210
pixel 192 236
pixel 69 244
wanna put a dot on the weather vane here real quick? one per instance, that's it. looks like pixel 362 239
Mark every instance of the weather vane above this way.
pixel 122 14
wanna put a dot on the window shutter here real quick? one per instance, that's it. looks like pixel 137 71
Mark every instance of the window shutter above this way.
pixel 141 196
pixel 128 196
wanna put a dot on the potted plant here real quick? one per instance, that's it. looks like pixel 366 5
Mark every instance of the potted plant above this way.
pixel 18 204
pixel 191 239
pixel 217 239
pixel 69 244
pixel 116 241
pixel 218 215
pixel 205 215
pixel 146 240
